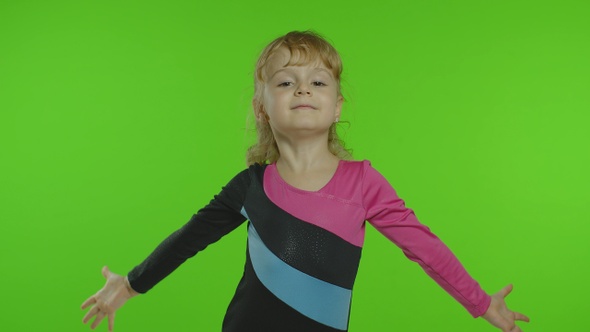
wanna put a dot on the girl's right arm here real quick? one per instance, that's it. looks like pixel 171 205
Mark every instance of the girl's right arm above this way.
pixel 209 224
pixel 218 218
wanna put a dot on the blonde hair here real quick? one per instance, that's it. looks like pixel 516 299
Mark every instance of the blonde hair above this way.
pixel 305 47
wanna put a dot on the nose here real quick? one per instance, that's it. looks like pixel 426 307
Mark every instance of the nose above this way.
pixel 303 89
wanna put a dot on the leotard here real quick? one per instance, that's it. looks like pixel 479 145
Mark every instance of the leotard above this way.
pixel 304 247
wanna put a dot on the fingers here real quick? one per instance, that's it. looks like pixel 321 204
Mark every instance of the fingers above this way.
pixel 89 301
pixel 100 314
pixel 100 308
pixel 99 318
pixel 106 272
pixel 90 314
pixel 521 317
pixel 506 290
pixel 111 321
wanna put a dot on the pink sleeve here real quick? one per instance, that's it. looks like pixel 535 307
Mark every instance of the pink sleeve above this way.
pixel 388 214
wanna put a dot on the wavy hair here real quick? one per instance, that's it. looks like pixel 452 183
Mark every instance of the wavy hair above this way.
pixel 305 47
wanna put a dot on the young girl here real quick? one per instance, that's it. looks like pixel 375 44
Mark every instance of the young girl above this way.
pixel 306 204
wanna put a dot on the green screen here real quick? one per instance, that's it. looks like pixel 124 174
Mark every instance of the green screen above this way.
pixel 120 119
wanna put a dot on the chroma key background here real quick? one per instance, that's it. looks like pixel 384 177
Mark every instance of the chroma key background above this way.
pixel 120 119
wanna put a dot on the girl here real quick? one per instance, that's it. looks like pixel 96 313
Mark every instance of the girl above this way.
pixel 306 203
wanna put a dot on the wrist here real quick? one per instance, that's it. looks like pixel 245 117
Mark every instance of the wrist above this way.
pixel 131 291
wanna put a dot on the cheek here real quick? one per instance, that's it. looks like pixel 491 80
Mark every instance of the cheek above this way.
pixel 274 99
pixel 331 98
pixel 267 103
pixel 268 96
pixel 265 100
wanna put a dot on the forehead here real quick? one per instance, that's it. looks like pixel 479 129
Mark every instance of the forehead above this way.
pixel 283 58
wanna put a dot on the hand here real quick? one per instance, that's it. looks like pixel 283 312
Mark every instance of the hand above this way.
pixel 500 316
pixel 106 301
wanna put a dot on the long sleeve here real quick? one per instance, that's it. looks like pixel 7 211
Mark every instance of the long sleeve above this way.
pixel 219 217
pixel 388 214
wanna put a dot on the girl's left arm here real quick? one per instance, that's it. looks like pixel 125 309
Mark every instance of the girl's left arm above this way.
pixel 388 213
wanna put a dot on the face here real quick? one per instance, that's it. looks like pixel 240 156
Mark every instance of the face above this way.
pixel 299 99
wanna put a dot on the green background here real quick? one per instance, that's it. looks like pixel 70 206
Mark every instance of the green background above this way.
pixel 120 119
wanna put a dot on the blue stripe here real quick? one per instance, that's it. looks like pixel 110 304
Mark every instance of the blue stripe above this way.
pixel 319 300
pixel 243 212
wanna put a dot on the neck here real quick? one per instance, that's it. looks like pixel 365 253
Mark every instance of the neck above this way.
pixel 304 154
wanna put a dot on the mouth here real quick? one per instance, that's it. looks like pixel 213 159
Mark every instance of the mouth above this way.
pixel 303 107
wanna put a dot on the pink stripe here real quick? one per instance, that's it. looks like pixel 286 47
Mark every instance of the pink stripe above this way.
pixel 341 214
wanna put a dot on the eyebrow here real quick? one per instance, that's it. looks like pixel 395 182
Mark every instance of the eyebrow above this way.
pixel 289 69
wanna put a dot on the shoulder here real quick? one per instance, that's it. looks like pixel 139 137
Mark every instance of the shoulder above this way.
pixel 237 188
pixel 250 172
pixel 372 182
pixel 242 180
pixel 360 170
pixel 255 172
pixel 353 167
pixel 251 175
pixel 354 179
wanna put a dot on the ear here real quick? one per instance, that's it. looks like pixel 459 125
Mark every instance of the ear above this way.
pixel 338 109
pixel 258 111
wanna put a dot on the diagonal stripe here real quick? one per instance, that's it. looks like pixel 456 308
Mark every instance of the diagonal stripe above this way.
pixel 321 301
pixel 309 248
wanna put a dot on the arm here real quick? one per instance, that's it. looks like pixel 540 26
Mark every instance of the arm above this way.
pixel 387 212
pixel 389 215
pixel 218 218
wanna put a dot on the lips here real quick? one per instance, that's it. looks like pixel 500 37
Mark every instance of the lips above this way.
pixel 303 106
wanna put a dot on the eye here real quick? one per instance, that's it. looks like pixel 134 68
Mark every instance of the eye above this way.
pixel 318 83
pixel 285 84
